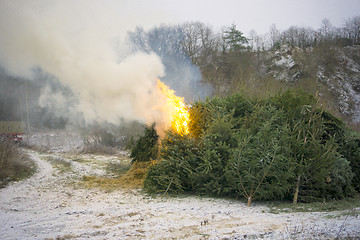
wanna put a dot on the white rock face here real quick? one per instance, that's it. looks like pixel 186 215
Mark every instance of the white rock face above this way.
pixel 283 66
pixel 344 83
pixel 341 82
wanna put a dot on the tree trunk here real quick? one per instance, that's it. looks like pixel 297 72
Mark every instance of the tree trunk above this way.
pixel 296 194
pixel 27 106
pixel 249 201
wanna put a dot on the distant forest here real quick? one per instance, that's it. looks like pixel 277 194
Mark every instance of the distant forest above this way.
pixel 228 57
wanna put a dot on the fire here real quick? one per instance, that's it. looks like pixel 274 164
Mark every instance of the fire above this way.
pixel 178 114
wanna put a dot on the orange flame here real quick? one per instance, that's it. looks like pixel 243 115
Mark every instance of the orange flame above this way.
pixel 178 114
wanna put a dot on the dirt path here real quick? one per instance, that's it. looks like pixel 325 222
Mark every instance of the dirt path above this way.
pixel 51 205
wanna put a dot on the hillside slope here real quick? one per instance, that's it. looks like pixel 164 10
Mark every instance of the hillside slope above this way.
pixel 333 74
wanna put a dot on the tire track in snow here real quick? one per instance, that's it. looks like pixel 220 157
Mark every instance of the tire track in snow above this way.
pixel 47 206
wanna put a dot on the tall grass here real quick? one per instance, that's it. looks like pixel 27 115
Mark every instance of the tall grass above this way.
pixel 125 176
pixel 15 164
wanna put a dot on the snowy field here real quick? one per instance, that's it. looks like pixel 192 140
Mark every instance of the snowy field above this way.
pixel 53 205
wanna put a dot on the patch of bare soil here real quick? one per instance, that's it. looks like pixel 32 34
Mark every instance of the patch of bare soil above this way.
pixel 53 205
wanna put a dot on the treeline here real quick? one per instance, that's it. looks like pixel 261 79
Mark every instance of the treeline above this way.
pixel 228 59
pixel 198 41
pixel 20 100
pixel 348 34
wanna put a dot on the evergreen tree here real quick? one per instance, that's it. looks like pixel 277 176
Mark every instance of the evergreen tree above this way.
pixel 177 163
pixel 235 39
pixel 259 167
pixel 146 147
pixel 275 148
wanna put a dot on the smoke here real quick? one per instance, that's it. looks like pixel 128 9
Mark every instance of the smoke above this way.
pixel 180 74
pixel 83 45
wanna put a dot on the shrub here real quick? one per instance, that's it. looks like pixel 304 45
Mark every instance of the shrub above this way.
pixel 146 147
pixel 349 148
pixel 202 113
pixel 339 182
pixel 174 172
pixel 107 138
pixel 96 148
pixel 14 163
pixel 260 167
pixel 99 141
pixel 216 150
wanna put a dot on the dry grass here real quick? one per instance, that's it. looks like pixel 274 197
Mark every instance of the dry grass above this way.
pixel 14 163
pixel 133 179
pixel 37 148
pixel 348 204
pixel 60 163
pixel 118 168
pixel 96 148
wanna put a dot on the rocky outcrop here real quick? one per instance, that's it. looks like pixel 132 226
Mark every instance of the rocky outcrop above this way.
pixel 336 74
pixel 283 66
pixel 344 82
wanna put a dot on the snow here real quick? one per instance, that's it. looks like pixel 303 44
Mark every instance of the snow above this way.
pixel 286 62
pixel 283 66
pixel 344 84
pixel 52 204
pixel 56 141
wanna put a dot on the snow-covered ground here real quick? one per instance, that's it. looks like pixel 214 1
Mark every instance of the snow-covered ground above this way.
pixel 52 205
pixel 55 141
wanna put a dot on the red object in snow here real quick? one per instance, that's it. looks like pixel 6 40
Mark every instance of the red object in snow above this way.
pixel 13 130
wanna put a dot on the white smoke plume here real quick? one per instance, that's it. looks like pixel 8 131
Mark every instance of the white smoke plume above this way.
pixel 82 43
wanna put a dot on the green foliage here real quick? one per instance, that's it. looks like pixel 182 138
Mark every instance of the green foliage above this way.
pixel 268 149
pixel 349 148
pixel 199 115
pixel 338 183
pixel 174 172
pixel 314 149
pixel 146 147
pixel 295 103
pixel 203 113
pixel 259 167
pixel 216 150
pixel 235 38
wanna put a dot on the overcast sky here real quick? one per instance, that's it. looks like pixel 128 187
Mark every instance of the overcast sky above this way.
pixel 248 15
pixel 260 14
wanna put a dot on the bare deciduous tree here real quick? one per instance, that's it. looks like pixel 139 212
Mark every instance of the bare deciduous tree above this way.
pixel 274 35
